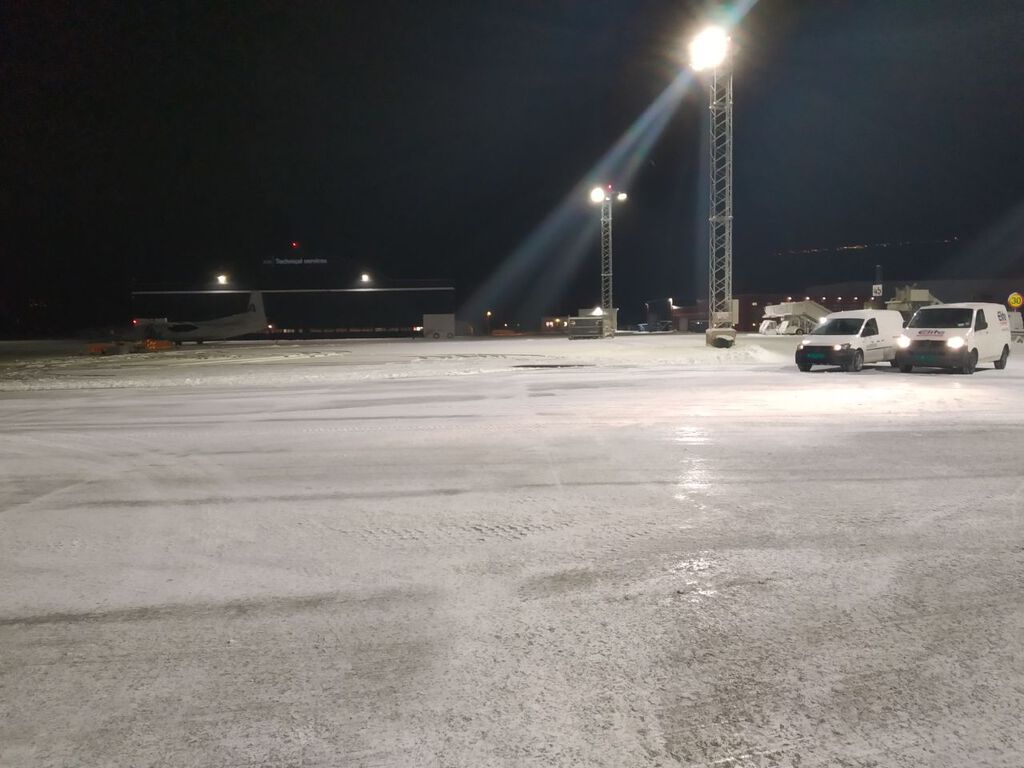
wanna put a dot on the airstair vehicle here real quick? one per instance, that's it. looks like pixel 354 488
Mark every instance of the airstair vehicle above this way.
pixel 791 317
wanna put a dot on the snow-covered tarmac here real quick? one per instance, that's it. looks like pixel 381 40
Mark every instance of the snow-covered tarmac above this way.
pixel 507 552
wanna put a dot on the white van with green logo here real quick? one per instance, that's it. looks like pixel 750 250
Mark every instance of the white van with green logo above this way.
pixel 850 339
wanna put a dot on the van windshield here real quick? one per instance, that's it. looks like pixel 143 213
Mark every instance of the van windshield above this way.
pixel 942 317
pixel 839 326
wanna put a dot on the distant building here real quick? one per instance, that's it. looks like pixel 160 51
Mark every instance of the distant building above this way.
pixel 836 297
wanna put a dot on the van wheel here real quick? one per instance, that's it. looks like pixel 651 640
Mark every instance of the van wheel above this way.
pixel 905 368
pixel 1001 362
pixel 972 363
pixel 805 367
pixel 857 363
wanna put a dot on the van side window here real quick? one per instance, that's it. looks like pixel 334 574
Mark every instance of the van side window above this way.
pixel 979 322
pixel 870 328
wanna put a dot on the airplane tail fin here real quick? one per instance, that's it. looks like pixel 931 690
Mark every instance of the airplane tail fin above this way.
pixel 256 305
pixel 258 315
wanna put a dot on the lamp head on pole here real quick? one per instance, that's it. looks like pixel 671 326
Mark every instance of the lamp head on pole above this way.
pixel 597 195
pixel 709 48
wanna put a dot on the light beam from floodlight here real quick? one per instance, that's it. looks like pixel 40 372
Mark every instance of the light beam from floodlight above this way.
pixel 559 231
pixel 709 49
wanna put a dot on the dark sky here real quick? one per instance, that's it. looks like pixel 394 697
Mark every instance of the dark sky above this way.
pixel 168 141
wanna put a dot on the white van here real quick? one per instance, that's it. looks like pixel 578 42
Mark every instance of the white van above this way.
pixel 957 336
pixel 851 339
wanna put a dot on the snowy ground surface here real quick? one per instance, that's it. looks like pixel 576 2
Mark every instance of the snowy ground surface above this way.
pixel 516 552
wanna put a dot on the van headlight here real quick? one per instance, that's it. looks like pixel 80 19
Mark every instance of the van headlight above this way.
pixel 955 342
pixel 838 347
pixel 903 341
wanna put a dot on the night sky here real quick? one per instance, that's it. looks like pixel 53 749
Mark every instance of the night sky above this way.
pixel 147 143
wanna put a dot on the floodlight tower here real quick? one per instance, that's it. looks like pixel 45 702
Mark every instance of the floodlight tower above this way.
pixel 709 50
pixel 605 196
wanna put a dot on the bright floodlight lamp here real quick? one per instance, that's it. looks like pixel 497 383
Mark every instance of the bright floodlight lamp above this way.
pixel 621 196
pixel 364 278
pixel 709 49
pixel 597 195
pixel 222 279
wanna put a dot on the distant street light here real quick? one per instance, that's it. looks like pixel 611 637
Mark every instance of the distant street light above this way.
pixel 709 50
pixel 222 279
pixel 364 278
pixel 604 196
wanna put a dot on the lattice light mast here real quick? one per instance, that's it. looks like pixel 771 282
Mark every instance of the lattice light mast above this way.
pixel 605 197
pixel 709 51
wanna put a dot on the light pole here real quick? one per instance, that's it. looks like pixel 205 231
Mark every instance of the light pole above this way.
pixel 605 196
pixel 709 50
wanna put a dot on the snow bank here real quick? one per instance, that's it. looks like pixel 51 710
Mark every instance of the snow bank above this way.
pixel 241 364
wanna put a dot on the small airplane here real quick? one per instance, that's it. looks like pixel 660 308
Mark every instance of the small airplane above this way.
pixel 253 320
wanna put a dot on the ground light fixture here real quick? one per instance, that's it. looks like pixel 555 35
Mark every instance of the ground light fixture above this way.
pixel 364 278
pixel 222 279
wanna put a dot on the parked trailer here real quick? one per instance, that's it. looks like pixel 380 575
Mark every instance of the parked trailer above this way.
pixel 587 327
pixel 1016 328
pixel 792 317
pixel 439 326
